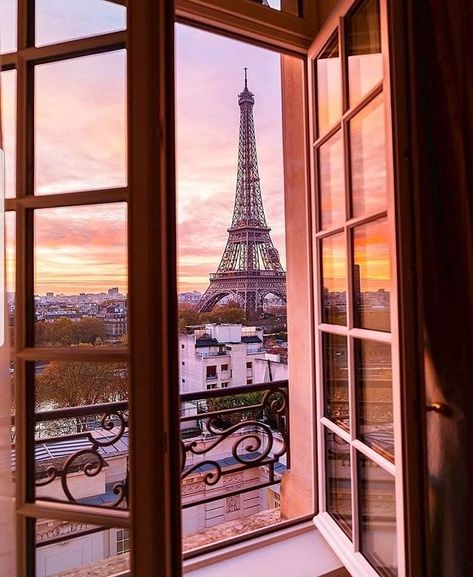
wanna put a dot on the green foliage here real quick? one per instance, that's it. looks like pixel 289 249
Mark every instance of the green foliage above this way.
pixel 233 402
pixel 243 400
pixel 66 332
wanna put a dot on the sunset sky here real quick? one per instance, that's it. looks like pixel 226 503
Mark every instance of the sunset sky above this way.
pixel 80 144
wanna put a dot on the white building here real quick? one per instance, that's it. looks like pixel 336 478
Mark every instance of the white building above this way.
pixel 214 356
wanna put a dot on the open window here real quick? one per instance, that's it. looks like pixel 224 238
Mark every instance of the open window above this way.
pixel 70 80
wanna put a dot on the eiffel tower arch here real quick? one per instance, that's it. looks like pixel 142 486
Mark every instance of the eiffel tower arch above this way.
pixel 250 267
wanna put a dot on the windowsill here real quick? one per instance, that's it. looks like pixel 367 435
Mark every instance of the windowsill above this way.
pixel 299 551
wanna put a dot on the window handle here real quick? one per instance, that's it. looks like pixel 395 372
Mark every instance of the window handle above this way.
pixel 439 408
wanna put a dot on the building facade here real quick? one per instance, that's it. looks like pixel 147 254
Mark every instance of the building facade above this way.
pixel 215 356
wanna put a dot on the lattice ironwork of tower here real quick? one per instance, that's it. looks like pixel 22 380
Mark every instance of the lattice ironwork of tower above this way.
pixel 250 268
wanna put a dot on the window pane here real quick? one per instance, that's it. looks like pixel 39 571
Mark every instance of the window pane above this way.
pixel 334 280
pixel 329 86
pixel 8 108
pixel 336 398
pixel 374 397
pixel 368 159
pixel 60 20
pixel 365 61
pixel 8 25
pixel 377 517
pixel 372 276
pixel 81 457
pixel 332 182
pixel 79 146
pixel 10 250
pixel 289 6
pixel 73 549
pixel 338 471
pixel 81 275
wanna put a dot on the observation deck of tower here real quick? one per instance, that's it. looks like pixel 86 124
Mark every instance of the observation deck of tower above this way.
pixel 250 267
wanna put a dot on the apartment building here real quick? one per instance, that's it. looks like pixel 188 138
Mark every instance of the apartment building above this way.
pixel 218 356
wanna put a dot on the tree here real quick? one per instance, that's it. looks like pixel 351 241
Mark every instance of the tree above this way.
pixel 229 313
pixel 242 400
pixel 66 332
pixel 78 383
pixel 89 330
pixel 188 316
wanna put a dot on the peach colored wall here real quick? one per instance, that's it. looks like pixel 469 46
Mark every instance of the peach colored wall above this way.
pixel 297 490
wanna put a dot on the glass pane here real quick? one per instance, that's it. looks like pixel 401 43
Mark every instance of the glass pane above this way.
pixel 8 108
pixel 79 146
pixel 81 457
pixel 8 25
pixel 60 20
pixel 10 252
pixel 80 279
pixel 365 61
pixel 74 549
pixel 289 6
pixel 377 517
pixel 332 182
pixel 374 397
pixel 368 159
pixel 334 280
pixel 372 276
pixel 329 86
pixel 338 471
pixel 336 398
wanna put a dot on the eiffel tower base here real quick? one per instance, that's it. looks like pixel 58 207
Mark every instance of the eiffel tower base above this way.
pixel 249 293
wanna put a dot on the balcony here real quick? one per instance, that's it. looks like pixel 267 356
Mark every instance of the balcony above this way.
pixel 235 447
pixel 210 354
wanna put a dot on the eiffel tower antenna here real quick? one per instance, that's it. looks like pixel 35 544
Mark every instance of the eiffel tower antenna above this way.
pixel 250 267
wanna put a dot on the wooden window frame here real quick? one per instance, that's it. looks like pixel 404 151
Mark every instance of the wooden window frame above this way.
pixel 149 40
pixel 404 328
pixel 152 350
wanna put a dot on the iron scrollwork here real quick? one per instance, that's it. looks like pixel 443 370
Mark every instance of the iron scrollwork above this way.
pixel 89 460
pixel 259 438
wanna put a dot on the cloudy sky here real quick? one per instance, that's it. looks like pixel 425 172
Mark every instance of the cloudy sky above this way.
pixel 80 144
pixel 209 76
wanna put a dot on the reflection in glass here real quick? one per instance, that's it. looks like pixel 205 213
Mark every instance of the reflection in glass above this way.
pixel 365 61
pixel 368 159
pixel 79 146
pixel 338 471
pixel 332 182
pixel 61 20
pixel 69 549
pixel 289 6
pixel 10 253
pixel 80 279
pixel 372 276
pixel 76 444
pixel 377 503
pixel 329 86
pixel 374 397
pixel 336 399
pixel 8 108
pixel 334 301
pixel 8 26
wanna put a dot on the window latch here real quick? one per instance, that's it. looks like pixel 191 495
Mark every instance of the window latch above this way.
pixel 440 408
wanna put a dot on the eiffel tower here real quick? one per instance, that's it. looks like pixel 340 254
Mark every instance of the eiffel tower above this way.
pixel 250 268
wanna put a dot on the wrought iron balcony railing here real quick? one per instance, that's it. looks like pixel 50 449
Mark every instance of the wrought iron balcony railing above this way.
pixel 233 441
